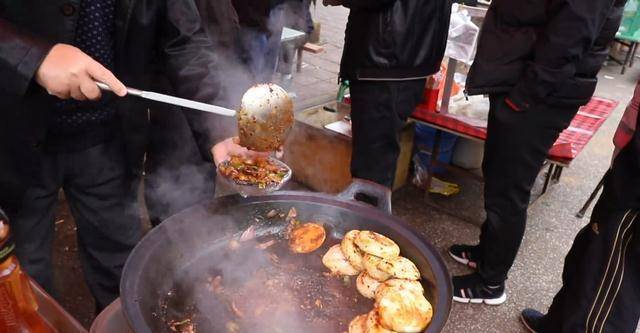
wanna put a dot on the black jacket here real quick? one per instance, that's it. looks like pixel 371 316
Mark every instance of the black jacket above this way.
pixel 150 34
pixel 544 51
pixel 394 39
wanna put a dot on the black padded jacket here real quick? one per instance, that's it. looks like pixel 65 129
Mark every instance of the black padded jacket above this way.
pixel 544 51
pixel 394 39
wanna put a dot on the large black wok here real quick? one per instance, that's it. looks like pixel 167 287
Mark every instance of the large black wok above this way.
pixel 168 275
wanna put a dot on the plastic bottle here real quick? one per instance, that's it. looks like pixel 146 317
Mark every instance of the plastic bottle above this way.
pixel 18 306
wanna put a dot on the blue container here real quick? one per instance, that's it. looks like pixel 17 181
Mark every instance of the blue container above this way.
pixel 425 137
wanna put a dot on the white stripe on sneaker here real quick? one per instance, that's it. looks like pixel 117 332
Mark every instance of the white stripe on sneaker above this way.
pixel 489 301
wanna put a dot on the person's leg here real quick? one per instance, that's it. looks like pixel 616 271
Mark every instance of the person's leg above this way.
pixel 96 189
pixel 600 280
pixel 33 227
pixel 273 42
pixel 600 289
pixel 379 109
pixel 516 148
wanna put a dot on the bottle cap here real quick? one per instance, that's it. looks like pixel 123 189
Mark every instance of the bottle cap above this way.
pixel 7 245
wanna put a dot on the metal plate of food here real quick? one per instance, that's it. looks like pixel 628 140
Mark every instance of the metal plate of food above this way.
pixel 254 176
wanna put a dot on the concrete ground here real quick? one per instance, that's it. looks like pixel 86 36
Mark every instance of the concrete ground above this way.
pixel 552 226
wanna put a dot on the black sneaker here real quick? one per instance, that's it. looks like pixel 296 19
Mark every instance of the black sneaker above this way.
pixel 472 289
pixel 532 320
pixel 464 254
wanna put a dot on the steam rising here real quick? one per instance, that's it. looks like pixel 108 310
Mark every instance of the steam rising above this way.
pixel 259 290
pixel 185 178
pixel 187 181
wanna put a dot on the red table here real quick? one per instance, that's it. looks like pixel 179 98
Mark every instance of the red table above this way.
pixel 568 146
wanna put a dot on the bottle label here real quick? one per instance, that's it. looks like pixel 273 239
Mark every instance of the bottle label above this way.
pixel 6 248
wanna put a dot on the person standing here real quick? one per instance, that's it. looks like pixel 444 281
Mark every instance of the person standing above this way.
pixel 538 66
pixel 391 46
pixel 56 131
pixel 601 278
pixel 261 23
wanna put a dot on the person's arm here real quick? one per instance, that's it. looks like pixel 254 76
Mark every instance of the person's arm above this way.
pixel 360 4
pixel 571 31
pixel 197 72
pixel 20 57
pixel 62 70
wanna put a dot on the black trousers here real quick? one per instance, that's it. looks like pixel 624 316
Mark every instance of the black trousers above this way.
pixel 601 277
pixel 379 109
pixel 94 185
pixel 515 150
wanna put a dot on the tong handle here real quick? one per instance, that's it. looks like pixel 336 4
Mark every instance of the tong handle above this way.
pixel 130 91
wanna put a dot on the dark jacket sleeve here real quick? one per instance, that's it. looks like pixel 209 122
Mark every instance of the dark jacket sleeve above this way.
pixel 571 30
pixel 367 4
pixel 193 67
pixel 20 58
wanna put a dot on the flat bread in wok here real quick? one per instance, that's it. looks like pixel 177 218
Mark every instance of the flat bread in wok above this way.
pixel 372 324
pixel 403 310
pixel 367 285
pixel 351 251
pixel 400 268
pixel 377 244
pixel 398 284
pixel 335 261
pixel 371 267
pixel 358 324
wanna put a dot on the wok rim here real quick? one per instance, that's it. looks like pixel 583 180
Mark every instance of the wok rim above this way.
pixel 140 254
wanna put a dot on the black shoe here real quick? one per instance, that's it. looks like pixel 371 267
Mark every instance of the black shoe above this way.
pixel 464 254
pixel 532 320
pixel 472 289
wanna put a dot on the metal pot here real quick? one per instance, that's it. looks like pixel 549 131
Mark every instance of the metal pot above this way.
pixel 178 251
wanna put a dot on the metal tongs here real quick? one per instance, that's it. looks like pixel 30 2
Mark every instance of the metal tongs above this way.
pixel 174 100
pixel 265 117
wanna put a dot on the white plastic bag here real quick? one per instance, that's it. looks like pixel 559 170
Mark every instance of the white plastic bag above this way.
pixel 463 36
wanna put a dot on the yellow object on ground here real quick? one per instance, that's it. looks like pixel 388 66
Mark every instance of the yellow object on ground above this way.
pixel 444 188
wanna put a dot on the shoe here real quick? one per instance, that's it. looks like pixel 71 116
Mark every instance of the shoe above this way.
pixel 532 320
pixel 464 254
pixel 472 289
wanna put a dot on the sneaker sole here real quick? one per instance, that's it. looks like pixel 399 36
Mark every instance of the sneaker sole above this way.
pixel 488 301
pixel 526 325
pixel 462 260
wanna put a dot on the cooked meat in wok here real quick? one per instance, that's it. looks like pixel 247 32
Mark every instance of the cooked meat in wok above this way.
pixel 306 238
pixel 261 172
